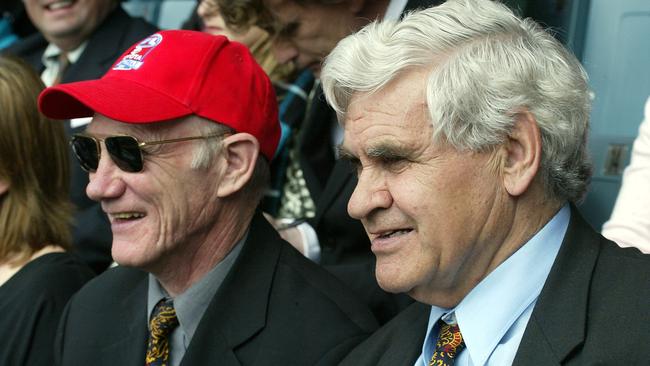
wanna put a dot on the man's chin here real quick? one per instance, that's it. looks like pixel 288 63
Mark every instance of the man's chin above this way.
pixel 392 283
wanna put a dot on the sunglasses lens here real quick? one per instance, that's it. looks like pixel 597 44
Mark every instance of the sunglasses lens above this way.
pixel 85 149
pixel 125 152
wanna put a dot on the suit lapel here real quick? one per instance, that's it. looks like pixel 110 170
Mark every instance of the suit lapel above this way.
pixel 341 175
pixel 398 343
pixel 238 310
pixel 405 349
pixel 130 347
pixel 31 50
pixel 557 325
pixel 316 153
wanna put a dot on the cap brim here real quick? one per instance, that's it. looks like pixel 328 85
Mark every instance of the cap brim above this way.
pixel 118 99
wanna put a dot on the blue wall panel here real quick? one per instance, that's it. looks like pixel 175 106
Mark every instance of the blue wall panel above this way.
pixel 616 56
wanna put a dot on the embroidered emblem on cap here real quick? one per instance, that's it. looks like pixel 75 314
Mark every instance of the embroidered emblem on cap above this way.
pixel 134 59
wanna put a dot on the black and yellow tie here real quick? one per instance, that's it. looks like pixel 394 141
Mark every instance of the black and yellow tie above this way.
pixel 162 323
pixel 449 343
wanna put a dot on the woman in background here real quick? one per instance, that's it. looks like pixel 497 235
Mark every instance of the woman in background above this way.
pixel 245 21
pixel 258 41
pixel 37 275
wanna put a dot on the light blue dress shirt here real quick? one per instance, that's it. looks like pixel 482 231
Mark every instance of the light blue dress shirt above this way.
pixel 493 316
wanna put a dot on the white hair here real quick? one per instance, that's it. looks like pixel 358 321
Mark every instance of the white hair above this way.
pixel 486 66
pixel 208 149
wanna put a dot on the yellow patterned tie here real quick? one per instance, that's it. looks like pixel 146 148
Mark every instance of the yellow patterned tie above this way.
pixel 449 343
pixel 162 323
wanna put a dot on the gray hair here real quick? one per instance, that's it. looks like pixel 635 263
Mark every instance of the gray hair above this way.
pixel 486 66
pixel 208 149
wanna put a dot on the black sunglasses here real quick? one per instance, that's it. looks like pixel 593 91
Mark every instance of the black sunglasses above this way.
pixel 125 151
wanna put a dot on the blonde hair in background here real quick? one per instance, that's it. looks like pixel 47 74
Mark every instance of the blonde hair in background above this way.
pixel 240 15
pixel 263 54
pixel 35 211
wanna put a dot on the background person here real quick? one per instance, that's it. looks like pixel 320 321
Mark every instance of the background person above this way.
pixel 179 162
pixel 37 275
pixel 312 197
pixel 80 40
pixel 255 38
pixel 629 225
pixel 292 91
pixel 14 22
pixel 467 128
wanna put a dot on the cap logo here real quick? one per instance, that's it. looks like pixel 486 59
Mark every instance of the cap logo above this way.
pixel 134 59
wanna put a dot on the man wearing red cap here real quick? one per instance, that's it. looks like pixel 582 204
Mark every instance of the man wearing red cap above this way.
pixel 177 153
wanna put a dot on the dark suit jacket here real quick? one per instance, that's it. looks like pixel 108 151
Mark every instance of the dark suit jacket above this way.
pixel 345 248
pixel 275 307
pixel 92 232
pixel 593 309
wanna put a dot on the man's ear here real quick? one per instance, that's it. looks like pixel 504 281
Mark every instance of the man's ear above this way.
pixel 240 154
pixel 523 151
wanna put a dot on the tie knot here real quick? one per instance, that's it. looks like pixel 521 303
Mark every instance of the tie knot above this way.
pixel 62 64
pixel 163 318
pixel 449 343
pixel 63 59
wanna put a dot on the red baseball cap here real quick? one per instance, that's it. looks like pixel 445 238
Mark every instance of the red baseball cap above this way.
pixel 172 74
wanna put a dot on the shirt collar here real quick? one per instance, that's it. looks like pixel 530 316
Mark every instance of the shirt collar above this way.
pixel 52 53
pixel 489 310
pixel 191 304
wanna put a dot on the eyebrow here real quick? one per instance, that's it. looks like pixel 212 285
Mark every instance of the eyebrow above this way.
pixel 388 151
pixel 383 151
pixel 345 154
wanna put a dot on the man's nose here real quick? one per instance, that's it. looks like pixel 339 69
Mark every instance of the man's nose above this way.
pixel 371 193
pixel 106 182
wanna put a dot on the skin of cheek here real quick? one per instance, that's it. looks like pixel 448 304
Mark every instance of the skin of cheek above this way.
pixel 164 194
pixel 446 232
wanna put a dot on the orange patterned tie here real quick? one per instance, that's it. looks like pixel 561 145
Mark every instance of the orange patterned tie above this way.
pixel 449 343
pixel 163 321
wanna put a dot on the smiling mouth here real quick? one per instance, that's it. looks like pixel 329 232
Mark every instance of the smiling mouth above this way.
pixel 127 216
pixel 59 5
pixel 393 233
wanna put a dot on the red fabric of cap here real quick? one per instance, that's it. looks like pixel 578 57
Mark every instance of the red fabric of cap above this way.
pixel 173 74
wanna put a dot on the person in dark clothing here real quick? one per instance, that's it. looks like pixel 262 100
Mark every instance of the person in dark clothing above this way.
pixel 77 41
pixel 466 126
pixel 179 162
pixel 310 210
pixel 37 274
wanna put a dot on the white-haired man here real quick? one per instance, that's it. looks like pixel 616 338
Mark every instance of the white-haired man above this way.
pixel 466 125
